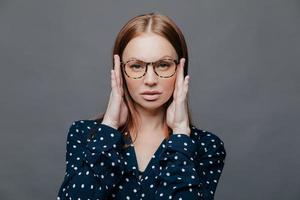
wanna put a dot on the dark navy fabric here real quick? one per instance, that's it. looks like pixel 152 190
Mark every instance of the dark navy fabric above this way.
pixel 183 167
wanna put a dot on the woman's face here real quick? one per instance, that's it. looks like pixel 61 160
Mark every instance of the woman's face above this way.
pixel 149 47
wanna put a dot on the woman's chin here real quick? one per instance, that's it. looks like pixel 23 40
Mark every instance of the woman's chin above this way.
pixel 150 105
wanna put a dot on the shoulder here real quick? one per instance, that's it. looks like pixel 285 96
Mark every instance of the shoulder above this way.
pixel 207 142
pixel 79 129
pixel 83 125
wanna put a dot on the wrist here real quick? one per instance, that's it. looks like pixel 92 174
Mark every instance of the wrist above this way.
pixel 108 123
pixel 186 131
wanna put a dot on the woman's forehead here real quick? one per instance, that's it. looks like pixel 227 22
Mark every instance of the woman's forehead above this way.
pixel 149 48
pixel 160 58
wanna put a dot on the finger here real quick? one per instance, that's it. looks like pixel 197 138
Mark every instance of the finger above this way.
pixel 175 91
pixel 180 76
pixel 113 80
pixel 117 70
pixel 120 73
pixel 177 80
pixel 186 84
pixel 175 86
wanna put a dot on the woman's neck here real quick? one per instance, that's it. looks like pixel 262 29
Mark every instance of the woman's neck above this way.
pixel 152 123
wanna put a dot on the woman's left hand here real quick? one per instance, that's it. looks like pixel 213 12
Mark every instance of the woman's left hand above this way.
pixel 177 112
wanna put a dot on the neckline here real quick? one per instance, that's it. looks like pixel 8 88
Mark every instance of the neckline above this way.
pixel 154 157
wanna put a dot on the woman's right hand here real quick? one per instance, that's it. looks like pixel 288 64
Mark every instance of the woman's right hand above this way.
pixel 117 112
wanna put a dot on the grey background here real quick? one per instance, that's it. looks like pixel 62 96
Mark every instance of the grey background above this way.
pixel 55 58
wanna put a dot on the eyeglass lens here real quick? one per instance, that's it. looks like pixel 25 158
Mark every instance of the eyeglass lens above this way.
pixel 137 68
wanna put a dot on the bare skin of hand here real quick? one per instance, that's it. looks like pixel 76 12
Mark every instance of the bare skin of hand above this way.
pixel 177 112
pixel 117 111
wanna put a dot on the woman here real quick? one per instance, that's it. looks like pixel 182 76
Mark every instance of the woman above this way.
pixel 144 146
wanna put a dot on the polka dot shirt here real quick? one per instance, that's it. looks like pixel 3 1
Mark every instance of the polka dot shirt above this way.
pixel 183 167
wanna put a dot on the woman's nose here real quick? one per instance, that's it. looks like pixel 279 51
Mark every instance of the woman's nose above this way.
pixel 150 76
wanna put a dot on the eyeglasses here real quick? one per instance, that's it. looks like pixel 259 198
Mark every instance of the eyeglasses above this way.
pixel 163 68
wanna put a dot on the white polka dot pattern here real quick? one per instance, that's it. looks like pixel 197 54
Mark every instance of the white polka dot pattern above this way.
pixel 183 167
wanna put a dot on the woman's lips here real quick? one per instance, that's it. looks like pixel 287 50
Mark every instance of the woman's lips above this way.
pixel 150 97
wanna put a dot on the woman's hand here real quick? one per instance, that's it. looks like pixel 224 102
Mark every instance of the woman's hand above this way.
pixel 117 111
pixel 177 113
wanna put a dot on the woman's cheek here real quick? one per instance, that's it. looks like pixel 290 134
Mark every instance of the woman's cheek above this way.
pixel 169 87
pixel 133 89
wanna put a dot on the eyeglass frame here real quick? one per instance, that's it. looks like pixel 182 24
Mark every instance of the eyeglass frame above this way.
pixel 152 63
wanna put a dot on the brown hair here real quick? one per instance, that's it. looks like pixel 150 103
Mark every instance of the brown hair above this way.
pixel 154 23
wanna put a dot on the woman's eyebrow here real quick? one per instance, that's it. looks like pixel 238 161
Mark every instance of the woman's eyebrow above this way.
pixel 134 58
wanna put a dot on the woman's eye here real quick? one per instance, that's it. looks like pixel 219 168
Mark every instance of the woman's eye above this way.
pixel 135 66
pixel 162 65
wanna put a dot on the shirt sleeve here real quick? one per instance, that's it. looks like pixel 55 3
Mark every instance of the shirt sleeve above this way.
pixel 210 163
pixel 180 178
pixel 93 167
